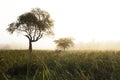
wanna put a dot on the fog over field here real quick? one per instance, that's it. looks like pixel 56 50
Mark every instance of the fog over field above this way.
pixel 107 45
pixel 84 20
pixel 93 45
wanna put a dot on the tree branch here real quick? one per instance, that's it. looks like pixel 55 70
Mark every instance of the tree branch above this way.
pixel 40 36
pixel 28 37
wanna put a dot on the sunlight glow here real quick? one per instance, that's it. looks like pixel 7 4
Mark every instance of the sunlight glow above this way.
pixel 84 20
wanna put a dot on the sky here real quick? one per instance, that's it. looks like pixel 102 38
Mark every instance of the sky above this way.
pixel 84 20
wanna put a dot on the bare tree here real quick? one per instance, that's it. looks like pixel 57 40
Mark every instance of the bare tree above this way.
pixel 34 24
pixel 64 42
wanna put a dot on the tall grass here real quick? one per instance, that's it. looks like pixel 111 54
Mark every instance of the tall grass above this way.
pixel 69 65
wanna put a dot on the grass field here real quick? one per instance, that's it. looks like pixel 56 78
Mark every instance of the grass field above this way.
pixel 69 65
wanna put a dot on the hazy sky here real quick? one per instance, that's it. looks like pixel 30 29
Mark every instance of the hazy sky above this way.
pixel 84 20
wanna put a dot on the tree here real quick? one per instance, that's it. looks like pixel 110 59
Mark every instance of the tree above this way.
pixel 64 43
pixel 34 25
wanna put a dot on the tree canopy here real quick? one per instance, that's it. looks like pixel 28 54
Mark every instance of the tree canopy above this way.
pixel 64 43
pixel 34 25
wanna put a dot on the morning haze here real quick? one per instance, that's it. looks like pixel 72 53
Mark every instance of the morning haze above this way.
pixel 60 40
pixel 108 45
pixel 83 20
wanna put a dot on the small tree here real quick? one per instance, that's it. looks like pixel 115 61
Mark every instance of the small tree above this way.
pixel 64 43
pixel 34 25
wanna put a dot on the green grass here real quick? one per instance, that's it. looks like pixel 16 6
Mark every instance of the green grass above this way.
pixel 69 65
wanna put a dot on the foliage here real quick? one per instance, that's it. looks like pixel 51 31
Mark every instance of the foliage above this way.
pixel 69 65
pixel 64 42
pixel 34 25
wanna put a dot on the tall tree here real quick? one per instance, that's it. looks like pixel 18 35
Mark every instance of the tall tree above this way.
pixel 34 24
pixel 64 42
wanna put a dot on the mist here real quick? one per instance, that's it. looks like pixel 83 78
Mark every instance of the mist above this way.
pixel 11 47
pixel 92 45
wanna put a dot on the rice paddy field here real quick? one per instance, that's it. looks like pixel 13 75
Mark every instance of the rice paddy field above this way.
pixel 51 65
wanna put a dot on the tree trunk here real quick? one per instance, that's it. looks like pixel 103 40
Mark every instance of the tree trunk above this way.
pixel 30 46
